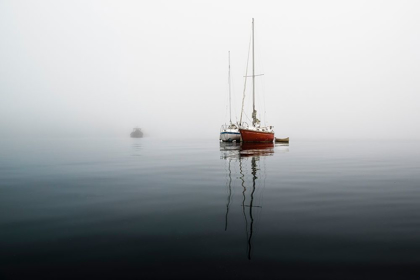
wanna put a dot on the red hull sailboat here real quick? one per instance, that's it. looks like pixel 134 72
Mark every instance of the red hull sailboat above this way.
pixel 255 133
pixel 251 135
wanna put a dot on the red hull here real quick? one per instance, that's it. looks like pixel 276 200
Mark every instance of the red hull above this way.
pixel 256 136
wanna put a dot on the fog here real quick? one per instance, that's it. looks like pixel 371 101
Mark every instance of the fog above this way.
pixel 332 69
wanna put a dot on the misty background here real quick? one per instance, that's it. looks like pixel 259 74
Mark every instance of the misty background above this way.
pixel 332 69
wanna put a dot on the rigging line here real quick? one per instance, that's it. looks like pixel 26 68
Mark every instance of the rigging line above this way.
pixel 230 98
pixel 246 74
pixel 247 117
pixel 263 95
pixel 262 86
pixel 226 110
pixel 227 106
pixel 261 100
pixel 233 94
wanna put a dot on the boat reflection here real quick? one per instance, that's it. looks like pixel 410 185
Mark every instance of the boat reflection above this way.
pixel 250 177
pixel 241 150
pixel 137 148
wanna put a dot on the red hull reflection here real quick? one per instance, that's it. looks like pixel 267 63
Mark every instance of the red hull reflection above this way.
pixel 257 149
pixel 235 150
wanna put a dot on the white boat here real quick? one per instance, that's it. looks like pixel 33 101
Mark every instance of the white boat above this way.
pixel 230 132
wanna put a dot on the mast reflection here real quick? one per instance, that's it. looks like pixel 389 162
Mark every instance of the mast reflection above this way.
pixel 243 153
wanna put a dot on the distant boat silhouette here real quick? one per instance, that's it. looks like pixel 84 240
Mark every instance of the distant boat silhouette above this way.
pixel 136 133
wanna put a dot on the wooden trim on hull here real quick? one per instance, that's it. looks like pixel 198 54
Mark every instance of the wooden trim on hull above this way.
pixel 256 136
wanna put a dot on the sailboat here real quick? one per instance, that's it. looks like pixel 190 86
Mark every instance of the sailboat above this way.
pixel 256 132
pixel 230 132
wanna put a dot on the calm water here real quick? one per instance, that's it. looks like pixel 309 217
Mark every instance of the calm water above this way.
pixel 155 209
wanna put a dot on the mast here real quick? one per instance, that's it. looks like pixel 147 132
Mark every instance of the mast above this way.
pixel 255 121
pixel 230 105
pixel 253 73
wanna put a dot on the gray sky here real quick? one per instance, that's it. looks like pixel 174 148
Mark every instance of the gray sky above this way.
pixel 335 69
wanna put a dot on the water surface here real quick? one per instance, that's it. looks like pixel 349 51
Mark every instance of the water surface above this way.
pixel 182 209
